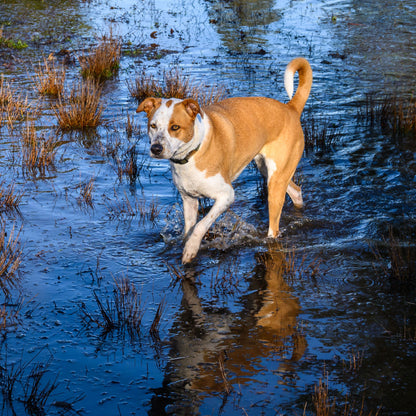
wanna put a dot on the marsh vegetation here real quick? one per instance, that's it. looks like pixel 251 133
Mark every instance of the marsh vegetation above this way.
pixel 98 315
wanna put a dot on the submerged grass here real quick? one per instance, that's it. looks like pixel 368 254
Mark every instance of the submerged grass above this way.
pixel 123 311
pixel 81 109
pixel 173 85
pixel 125 208
pixel 27 384
pixel 85 193
pixel 396 116
pixel 397 258
pixel 10 259
pixel 325 404
pixel 320 135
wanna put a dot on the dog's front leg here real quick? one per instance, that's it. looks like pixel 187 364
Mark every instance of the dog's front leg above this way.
pixel 222 202
pixel 190 212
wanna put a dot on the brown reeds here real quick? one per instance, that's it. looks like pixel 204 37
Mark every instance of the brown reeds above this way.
pixel 49 80
pixel 13 107
pixel 10 259
pixel 326 405
pixel 174 85
pixel 9 199
pixel 38 152
pixel 104 61
pixel 81 109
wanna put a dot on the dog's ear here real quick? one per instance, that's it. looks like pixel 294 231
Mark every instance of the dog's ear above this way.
pixel 148 105
pixel 192 107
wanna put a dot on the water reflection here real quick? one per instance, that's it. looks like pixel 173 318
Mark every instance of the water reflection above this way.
pixel 215 350
pixel 243 25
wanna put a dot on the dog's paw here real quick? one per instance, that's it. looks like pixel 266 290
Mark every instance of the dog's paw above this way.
pixel 190 251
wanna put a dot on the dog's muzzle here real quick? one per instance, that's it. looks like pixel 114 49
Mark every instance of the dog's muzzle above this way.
pixel 156 149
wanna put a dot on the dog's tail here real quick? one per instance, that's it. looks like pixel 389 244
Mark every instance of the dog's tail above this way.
pixel 300 65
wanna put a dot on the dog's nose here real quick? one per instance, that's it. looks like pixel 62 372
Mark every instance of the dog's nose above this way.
pixel 156 149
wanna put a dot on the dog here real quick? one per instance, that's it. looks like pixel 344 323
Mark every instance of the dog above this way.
pixel 209 147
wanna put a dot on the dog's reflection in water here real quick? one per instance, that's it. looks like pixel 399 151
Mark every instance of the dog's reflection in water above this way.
pixel 216 349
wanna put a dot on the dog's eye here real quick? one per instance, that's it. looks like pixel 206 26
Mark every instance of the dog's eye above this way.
pixel 175 127
pixel 153 126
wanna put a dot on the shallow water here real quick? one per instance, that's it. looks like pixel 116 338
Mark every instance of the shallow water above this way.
pixel 275 330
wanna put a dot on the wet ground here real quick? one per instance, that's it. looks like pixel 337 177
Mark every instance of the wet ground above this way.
pixel 251 326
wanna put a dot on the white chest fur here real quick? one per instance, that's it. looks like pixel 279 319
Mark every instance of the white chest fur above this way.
pixel 191 181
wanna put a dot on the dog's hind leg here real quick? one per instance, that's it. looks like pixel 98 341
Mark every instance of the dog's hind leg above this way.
pixel 277 187
pixel 295 193
pixel 293 190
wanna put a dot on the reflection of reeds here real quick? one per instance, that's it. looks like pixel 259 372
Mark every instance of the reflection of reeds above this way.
pixel 9 199
pixel 154 328
pixel 174 85
pixel 10 259
pixel 81 109
pixel 227 386
pixel 132 128
pixel 123 311
pixel 104 61
pixel 86 193
pixel 9 314
pixel 37 390
pixel 38 153
pixel 49 80
pixel 27 384
pixel 12 106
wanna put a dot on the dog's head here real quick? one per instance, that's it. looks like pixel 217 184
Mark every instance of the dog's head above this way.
pixel 170 124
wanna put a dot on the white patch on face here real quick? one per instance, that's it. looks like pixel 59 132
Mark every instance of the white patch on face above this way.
pixel 159 130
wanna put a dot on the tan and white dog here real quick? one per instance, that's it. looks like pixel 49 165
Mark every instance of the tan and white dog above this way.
pixel 209 147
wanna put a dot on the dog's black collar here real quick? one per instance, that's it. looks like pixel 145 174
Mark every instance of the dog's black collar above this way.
pixel 185 160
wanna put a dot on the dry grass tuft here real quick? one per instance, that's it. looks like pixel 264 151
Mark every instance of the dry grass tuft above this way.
pixel 104 61
pixel 123 312
pixel 49 80
pixel 10 259
pixel 9 200
pixel 82 108
pixel 174 85
pixel 12 106
pixel 38 153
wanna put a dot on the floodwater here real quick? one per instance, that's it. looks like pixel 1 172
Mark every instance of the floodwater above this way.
pixel 252 325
